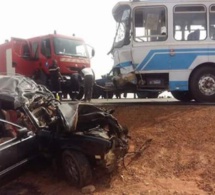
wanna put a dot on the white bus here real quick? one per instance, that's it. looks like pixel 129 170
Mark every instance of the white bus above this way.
pixel 169 45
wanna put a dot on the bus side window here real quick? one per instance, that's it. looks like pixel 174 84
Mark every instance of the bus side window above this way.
pixel 150 24
pixel 212 22
pixel 190 22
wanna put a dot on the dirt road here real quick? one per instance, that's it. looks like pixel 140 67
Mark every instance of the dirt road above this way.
pixel 171 152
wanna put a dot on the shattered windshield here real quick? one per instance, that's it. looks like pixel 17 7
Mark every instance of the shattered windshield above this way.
pixel 70 47
pixel 122 28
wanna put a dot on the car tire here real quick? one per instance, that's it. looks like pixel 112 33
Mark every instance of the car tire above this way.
pixel 76 168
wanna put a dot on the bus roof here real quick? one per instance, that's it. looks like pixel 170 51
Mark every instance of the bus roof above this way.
pixel 167 1
pixel 148 2
pixel 161 1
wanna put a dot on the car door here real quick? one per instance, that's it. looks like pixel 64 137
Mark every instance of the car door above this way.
pixel 8 155
pixel 17 151
pixel 27 148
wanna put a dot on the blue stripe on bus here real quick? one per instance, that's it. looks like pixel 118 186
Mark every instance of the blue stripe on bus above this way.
pixel 178 85
pixel 124 64
pixel 162 60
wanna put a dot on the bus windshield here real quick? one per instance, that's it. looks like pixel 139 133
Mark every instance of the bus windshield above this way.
pixel 122 17
pixel 70 47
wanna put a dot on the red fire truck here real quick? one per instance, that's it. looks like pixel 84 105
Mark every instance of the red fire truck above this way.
pixel 28 56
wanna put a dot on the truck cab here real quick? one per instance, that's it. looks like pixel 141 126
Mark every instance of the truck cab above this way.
pixel 32 57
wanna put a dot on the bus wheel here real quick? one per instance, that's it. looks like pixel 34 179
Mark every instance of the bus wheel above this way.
pixel 203 84
pixel 183 96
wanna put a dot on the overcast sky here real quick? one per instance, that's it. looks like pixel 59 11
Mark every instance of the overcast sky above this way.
pixel 90 19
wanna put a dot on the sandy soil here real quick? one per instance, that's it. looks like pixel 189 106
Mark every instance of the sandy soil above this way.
pixel 171 152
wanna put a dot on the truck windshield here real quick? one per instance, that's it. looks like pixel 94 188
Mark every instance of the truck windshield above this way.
pixel 122 17
pixel 70 47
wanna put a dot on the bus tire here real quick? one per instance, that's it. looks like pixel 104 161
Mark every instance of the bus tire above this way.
pixel 183 96
pixel 202 84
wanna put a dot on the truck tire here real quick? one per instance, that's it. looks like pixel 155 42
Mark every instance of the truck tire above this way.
pixel 183 96
pixel 81 93
pixel 76 168
pixel 202 84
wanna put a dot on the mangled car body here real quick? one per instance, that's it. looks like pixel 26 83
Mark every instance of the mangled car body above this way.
pixel 78 136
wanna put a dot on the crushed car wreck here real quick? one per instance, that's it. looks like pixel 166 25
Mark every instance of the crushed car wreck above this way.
pixel 78 136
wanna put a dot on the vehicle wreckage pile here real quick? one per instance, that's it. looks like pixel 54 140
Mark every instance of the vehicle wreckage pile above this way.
pixel 77 137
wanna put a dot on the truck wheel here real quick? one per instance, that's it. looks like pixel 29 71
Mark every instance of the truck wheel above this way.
pixel 81 93
pixel 183 96
pixel 76 168
pixel 202 84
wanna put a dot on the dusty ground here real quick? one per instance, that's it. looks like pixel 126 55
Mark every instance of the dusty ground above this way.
pixel 172 151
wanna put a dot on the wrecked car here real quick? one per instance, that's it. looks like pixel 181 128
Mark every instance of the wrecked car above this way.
pixel 79 137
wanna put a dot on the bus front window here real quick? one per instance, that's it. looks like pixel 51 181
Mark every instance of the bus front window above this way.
pixel 70 47
pixel 122 17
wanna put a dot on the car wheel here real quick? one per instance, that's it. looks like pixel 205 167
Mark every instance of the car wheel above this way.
pixel 76 168
pixel 183 96
pixel 203 84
